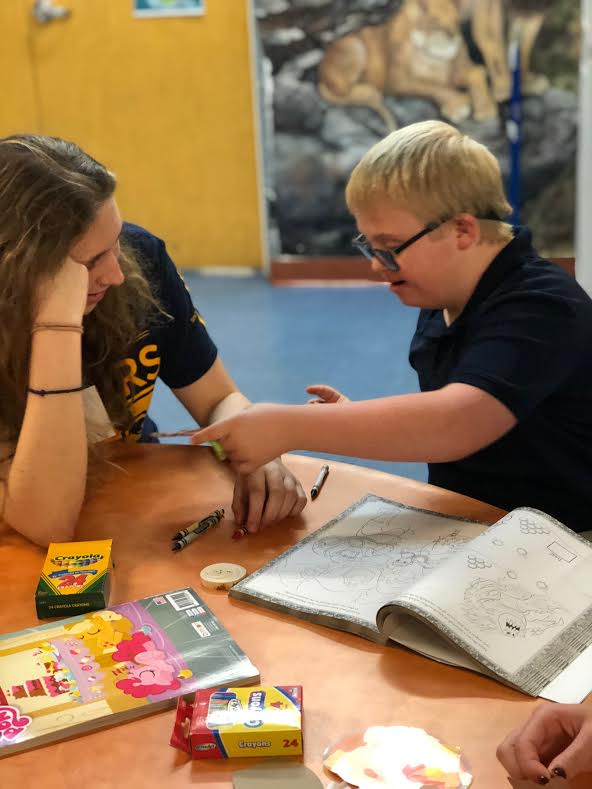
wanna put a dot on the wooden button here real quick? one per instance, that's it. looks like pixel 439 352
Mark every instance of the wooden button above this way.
pixel 222 575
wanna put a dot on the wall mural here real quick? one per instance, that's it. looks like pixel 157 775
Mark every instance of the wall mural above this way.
pixel 341 74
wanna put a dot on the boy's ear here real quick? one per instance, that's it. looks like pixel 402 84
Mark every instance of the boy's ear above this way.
pixel 467 230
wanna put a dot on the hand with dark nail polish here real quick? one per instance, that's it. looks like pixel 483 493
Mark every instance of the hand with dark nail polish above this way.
pixel 556 741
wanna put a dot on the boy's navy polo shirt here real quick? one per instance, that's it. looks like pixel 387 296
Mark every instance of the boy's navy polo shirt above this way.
pixel 524 336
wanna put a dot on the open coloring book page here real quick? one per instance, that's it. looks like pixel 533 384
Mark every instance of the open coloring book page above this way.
pixel 359 561
pixel 518 598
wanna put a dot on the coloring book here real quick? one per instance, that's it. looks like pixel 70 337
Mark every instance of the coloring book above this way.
pixel 108 666
pixel 512 601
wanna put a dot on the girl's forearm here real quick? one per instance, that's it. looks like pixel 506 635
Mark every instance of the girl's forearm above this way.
pixel 46 481
pixel 232 404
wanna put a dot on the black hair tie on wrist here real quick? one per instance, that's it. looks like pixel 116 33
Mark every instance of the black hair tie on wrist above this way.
pixel 43 392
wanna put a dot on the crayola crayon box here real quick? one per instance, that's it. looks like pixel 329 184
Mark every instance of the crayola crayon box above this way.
pixel 261 720
pixel 76 577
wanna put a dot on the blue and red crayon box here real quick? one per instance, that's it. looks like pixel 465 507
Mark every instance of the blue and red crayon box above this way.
pixel 261 720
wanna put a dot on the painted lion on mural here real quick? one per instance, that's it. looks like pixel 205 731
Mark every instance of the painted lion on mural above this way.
pixel 422 51
pixel 492 24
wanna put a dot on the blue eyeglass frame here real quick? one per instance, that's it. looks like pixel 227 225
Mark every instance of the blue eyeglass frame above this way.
pixel 388 257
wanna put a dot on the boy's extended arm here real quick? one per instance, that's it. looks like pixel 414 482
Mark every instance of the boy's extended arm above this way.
pixel 444 425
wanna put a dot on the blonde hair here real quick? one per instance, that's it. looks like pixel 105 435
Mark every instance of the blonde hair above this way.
pixel 435 171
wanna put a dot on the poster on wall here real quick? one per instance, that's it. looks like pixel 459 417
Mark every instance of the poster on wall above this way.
pixel 335 83
pixel 160 8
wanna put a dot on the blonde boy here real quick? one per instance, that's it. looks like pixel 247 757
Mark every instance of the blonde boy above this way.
pixel 502 349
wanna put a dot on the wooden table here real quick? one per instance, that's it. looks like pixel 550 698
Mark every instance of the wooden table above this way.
pixel 349 683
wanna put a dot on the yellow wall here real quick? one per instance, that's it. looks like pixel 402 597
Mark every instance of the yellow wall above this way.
pixel 18 105
pixel 165 103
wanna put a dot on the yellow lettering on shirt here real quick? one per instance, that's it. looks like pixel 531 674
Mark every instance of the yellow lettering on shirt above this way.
pixel 150 361
pixel 140 374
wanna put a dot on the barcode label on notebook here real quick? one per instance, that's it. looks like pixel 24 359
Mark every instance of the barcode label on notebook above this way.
pixel 181 600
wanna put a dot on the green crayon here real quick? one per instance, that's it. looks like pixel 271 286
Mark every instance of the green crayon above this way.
pixel 218 450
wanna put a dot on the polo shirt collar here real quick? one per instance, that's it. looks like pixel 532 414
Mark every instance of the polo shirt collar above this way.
pixel 513 255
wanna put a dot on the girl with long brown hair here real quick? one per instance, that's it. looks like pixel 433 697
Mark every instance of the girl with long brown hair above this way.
pixel 92 310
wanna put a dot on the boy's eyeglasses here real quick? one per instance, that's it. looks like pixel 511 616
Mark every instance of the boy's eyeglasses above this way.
pixel 388 257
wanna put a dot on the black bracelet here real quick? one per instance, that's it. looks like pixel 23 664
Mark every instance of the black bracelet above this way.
pixel 43 392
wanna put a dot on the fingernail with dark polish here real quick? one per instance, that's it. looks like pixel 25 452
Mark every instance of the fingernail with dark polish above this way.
pixel 559 772
pixel 543 780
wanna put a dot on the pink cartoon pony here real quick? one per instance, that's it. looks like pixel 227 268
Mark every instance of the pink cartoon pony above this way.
pixel 149 671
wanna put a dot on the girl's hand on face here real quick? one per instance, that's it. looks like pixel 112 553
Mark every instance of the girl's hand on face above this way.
pixel 62 298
